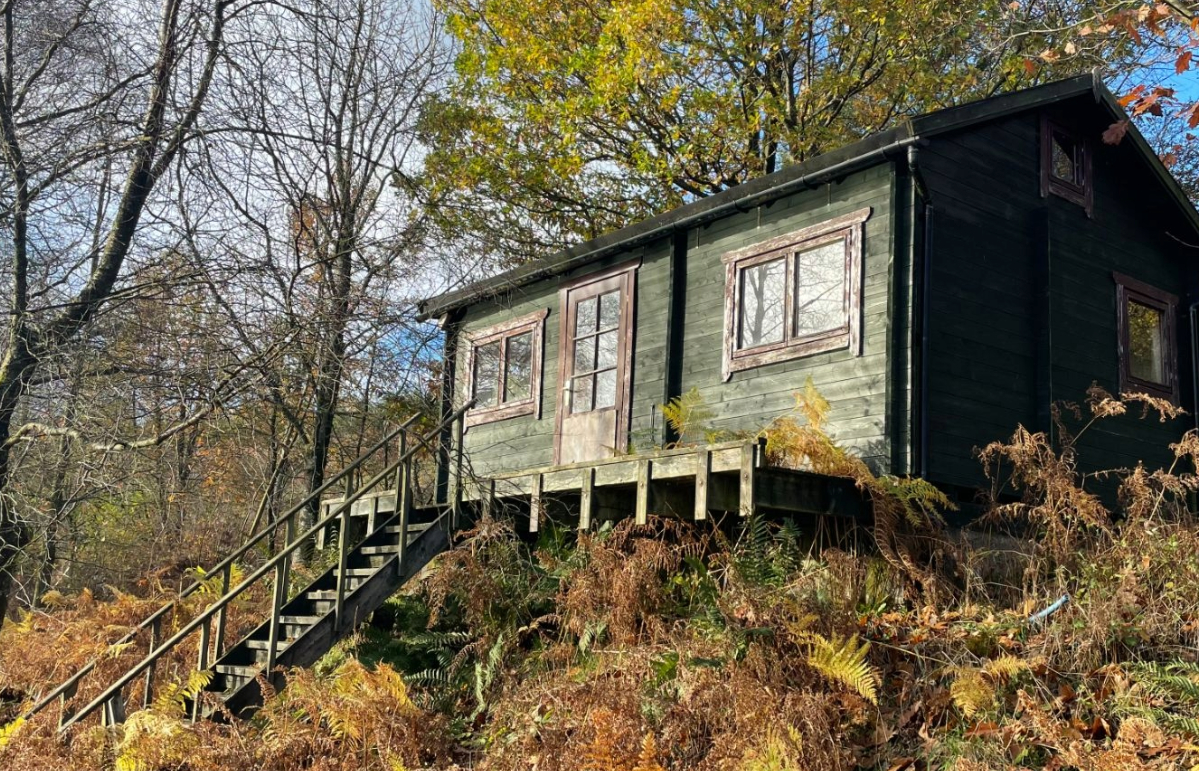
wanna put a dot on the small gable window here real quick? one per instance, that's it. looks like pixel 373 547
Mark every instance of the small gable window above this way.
pixel 795 295
pixel 1146 325
pixel 1065 164
pixel 504 369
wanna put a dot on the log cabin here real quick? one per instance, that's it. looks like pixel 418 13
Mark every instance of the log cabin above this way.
pixel 941 283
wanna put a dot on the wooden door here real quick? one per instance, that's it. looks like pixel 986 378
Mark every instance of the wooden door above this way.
pixel 595 371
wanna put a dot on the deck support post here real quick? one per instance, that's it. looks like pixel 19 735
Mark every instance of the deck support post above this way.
pixel 703 468
pixel 749 453
pixel 644 470
pixel 489 498
pixel 535 504
pixel 587 498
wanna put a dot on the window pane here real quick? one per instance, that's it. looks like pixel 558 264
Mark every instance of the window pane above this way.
pixel 761 315
pixel 518 374
pixel 1146 354
pixel 607 343
pixel 581 399
pixel 585 316
pixel 1065 159
pixel 609 310
pixel 585 355
pixel 605 389
pixel 820 289
pixel 487 374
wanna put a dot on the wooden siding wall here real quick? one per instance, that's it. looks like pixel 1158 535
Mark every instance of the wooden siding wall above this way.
pixel 525 442
pixel 1022 304
pixel 857 387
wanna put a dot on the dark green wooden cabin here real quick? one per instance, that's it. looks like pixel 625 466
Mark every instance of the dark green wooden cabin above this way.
pixel 940 282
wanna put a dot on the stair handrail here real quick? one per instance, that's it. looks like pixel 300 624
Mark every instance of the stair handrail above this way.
pixel 253 578
pixel 250 543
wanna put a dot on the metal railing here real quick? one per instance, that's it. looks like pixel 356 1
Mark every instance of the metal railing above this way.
pixel 211 622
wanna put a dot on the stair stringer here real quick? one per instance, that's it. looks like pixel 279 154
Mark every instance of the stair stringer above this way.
pixel 320 637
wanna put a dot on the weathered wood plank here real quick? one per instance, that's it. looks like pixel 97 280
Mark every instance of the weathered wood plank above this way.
pixel 643 477
pixel 703 469
pixel 587 499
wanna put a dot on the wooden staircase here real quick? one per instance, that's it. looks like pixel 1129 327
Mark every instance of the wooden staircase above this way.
pixel 297 628
pixel 307 626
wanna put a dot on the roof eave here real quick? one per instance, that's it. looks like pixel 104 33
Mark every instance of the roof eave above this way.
pixel 853 157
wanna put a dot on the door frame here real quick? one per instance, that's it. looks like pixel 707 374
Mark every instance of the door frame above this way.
pixel 627 271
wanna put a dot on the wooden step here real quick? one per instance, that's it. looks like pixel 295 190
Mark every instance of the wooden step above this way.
pixel 262 645
pixel 360 572
pixel 238 670
pixel 386 549
pixel 413 529
pixel 298 620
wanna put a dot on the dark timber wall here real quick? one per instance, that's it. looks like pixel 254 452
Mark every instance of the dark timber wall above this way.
pixel 679 319
pixel 857 387
pixel 1022 303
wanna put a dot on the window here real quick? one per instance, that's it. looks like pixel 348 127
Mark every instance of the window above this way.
pixel 1146 323
pixel 596 345
pixel 504 366
pixel 1065 164
pixel 795 295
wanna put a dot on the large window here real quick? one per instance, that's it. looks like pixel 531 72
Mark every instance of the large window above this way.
pixel 504 369
pixel 795 295
pixel 1065 164
pixel 1147 352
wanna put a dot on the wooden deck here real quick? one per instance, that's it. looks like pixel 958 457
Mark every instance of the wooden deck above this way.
pixel 691 482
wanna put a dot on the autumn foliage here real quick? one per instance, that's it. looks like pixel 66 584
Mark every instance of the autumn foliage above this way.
pixel 749 648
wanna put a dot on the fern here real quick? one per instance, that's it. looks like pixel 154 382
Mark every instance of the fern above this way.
pixel 844 661
pixel 485 672
pixel 592 633
pixel 1005 667
pixel 172 700
pixel 687 415
pixel 1174 688
pixel 972 692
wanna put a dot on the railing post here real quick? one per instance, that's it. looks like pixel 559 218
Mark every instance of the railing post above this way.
pixel 202 661
pixel 226 579
pixel 456 511
pixel 64 713
pixel 114 709
pixel 155 632
pixel 280 591
pixel 403 502
pixel 343 549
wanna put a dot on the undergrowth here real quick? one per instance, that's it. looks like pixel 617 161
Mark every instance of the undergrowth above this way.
pixel 670 646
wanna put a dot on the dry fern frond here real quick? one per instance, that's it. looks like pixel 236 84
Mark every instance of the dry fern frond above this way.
pixel 1005 667
pixel 844 661
pixel 688 416
pixel 972 692
pixel 648 759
